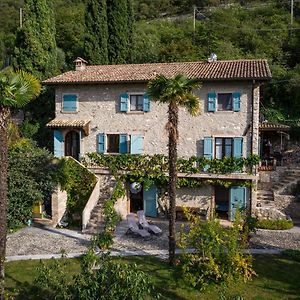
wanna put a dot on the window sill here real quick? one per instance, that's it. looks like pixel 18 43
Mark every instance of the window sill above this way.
pixel 135 112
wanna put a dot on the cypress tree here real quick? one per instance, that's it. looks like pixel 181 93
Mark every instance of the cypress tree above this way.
pixel 95 44
pixel 130 20
pixel 36 50
pixel 118 35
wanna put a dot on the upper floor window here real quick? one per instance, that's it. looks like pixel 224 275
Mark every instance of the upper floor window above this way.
pixel 134 102
pixel 223 102
pixel 70 103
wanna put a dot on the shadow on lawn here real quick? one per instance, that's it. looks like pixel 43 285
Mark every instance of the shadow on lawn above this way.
pixel 278 274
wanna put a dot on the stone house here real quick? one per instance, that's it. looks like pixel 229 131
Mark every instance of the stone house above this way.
pixel 106 109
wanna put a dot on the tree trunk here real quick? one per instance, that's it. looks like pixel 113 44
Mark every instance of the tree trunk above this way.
pixel 173 137
pixel 4 115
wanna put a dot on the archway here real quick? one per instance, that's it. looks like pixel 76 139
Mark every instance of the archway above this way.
pixel 72 144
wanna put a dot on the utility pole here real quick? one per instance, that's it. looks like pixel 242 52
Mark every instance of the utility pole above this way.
pixel 194 18
pixel 292 12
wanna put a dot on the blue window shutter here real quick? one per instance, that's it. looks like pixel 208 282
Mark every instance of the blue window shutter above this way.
pixel 208 147
pixel 146 103
pixel 101 143
pixel 70 103
pixel 58 144
pixel 236 99
pixel 211 102
pixel 136 144
pixel 124 102
pixel 238 147
pixel 238 200
pixel 123 143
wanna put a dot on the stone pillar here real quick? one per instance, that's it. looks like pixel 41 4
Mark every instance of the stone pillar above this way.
pixel 255 119
pixel 59 205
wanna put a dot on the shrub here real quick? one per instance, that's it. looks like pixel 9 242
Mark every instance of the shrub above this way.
pixel 107 280
pixel 78 182
pixel 275 224
pixel 31 174
pixel 219 253
pixel 103 240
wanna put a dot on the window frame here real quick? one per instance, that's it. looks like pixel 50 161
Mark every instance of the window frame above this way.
pixel 137 95
pixel 231 102
pixel 223 145
pixel 108 143
pixel 62 103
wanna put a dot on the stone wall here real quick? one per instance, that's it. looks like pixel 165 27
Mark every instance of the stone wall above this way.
pixel 100 104
pixel 59 205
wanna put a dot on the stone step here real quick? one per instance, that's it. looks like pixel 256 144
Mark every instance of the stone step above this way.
pixel 264 192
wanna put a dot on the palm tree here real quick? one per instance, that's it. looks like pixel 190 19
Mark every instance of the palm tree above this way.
pixel 175 92
pixel 16 90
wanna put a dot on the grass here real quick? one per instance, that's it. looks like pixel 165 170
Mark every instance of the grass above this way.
pixel 274 224
pixel 278 278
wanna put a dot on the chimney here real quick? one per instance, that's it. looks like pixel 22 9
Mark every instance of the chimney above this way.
pixel 80 64
pixel 212 58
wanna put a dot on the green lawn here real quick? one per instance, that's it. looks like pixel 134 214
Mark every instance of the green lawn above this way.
pixel 278 278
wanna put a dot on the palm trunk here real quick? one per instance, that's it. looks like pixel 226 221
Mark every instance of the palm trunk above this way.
pixel 4 115
pixel 173 136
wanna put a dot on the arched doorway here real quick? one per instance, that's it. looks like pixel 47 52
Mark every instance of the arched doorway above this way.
pixel 72 145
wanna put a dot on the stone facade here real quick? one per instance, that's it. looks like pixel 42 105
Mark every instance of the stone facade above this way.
pixel 100 104
pixel 58 205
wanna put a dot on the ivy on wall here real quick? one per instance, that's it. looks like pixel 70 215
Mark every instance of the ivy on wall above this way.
pixel 153 169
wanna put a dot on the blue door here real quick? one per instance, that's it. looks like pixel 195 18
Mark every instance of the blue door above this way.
pixel 237 200
pixel 150 201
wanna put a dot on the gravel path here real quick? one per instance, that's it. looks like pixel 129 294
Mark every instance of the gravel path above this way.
pixel 33 240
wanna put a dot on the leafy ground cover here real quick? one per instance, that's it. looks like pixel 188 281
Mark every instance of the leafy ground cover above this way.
pixel 278 278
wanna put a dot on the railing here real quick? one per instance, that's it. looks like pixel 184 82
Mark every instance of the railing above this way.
pixel 92 202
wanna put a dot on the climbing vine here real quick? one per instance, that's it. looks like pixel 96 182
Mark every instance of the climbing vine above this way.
pixel 153 169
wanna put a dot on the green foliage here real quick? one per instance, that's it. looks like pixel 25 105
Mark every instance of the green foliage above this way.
pixel 29 130
pixel 35 44
pixel 275 224
pixel 78 182
pixel 103 240
pixel 119 22
pixel 149 169
pixel 110 280
pixel 95 44
pixel 111 218
pixel 31 178
pixel 219 253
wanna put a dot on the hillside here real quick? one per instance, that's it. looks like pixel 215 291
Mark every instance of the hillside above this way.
pixel 164 32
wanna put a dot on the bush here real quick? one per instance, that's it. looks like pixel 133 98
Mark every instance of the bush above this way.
pixel 31 174
pixel 78 182
pixel 274 224
pixel 100 278
pixel 219 253
pixel 103 240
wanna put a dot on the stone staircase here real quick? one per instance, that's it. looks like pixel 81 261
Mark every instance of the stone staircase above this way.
pixel 96 222
pixel 270 194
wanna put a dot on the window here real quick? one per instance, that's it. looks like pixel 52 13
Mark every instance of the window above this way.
pixel 224 101
pixel 70 103
pixel 113 143
pixel 120 143
pixel 136 102
pixel 224 147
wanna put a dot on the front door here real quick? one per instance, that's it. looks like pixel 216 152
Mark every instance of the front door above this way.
pixel 150 201
pixel 237 200
pixel 72 144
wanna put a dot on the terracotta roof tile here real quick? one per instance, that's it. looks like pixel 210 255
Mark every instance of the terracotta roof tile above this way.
pixel 219 70
pixel 273 126
pixel 58 123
